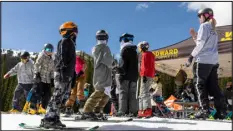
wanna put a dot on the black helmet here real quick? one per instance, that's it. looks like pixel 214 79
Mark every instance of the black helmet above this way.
pixel 126 37
pixel 206 11
pixel 101 35
pixel 144 45
pixel 48 47
pixel 25 55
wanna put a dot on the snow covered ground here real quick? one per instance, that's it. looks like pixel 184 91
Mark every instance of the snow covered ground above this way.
pixel 11 121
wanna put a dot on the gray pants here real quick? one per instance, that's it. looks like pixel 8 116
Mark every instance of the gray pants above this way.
pixel 144 97
pixel 127 97
pixel 21 89
pixel 53 109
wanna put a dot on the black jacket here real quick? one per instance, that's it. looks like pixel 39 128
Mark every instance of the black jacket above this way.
pixel 65 59
pixel 128 65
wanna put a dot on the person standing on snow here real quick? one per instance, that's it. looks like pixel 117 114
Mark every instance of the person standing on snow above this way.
pixel 24 72
pixel 64 71
pixel 128 76
pixel 147 71
pixel 205 67
pixel 102 78
pixel 78 88
pixel 43 78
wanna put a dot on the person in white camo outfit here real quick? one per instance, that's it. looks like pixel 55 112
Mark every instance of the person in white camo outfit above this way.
pixel 24 72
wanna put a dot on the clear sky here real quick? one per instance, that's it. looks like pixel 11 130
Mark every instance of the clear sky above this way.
pixel 29 25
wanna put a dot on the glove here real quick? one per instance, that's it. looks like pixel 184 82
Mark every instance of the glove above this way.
pixel 151 90
pixel 79 74
pixel 144 79
pixel 52 83
pixel 120 79
pixel 190 59
pixel 6 76
pixel 37 77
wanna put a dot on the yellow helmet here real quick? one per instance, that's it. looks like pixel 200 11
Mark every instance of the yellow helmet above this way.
pixel 68 28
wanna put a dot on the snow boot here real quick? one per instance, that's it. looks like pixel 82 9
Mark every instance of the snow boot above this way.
pixel 51 123
pixel 147 113
pixel 140 114
pixel 202 114
pixel 32 111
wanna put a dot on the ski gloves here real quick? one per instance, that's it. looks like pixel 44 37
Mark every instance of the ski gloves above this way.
pixel 37 77
pixel 79 74
pixel 190 59
pixel 144 79
pixel 107 91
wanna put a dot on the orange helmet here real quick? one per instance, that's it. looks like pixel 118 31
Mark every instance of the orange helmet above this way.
pixel 68 28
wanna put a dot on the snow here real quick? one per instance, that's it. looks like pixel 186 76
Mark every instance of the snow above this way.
pixel 11 121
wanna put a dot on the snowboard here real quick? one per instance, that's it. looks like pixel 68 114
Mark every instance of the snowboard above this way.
pixel 27 126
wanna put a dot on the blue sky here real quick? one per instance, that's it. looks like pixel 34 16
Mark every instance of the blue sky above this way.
pixel 29 25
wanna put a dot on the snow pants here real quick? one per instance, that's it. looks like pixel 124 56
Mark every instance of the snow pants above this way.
pixel 206 83
pixel 144 95
pixel 53 109
pixel 21 89
pixel 127 97
pixel 96 102
pixel 78 91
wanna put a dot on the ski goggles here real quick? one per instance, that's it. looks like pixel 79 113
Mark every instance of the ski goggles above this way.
pixel 126 38
pixel 48 50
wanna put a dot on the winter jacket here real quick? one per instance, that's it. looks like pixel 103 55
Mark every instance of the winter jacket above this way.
pixel 158 91
pixel 206 50
pixel 79 66
pixel 45 66
pixel 103 59
pixel 65 59
pixel 23 71
pixel 128 63
pixel 147 64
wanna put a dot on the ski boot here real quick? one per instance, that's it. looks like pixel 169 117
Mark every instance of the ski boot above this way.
pixel 26 107
pixel 51 123
pixel 41 110
pixel 88 116
pixel 68 112
pixel 32 111
pixel 120 114
pixel 101 116
pixel 14 111
pixel 202 114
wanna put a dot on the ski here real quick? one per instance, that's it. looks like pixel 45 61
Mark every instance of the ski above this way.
pixel 35 127
pixel 78 118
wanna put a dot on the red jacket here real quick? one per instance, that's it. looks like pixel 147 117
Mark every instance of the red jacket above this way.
pixel 147 67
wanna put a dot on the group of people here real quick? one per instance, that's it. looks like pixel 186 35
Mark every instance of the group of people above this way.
pixel 136 81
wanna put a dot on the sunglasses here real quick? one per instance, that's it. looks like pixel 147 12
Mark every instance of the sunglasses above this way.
pixel 48 50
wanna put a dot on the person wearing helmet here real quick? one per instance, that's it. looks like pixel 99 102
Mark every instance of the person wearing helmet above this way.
pixel 43 80
pixel 102 79
pixel 205 66
pixel 127 76
pixel 64 70
pixel 147 71
pixel 24 72
pixel 77 86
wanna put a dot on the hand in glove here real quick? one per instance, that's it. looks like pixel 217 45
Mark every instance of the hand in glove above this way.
pixel 37 77
pixel 79 74
pixel 6 76
pixel 52 83
pixel 151 90
pixel 190 59
pixel 144 79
